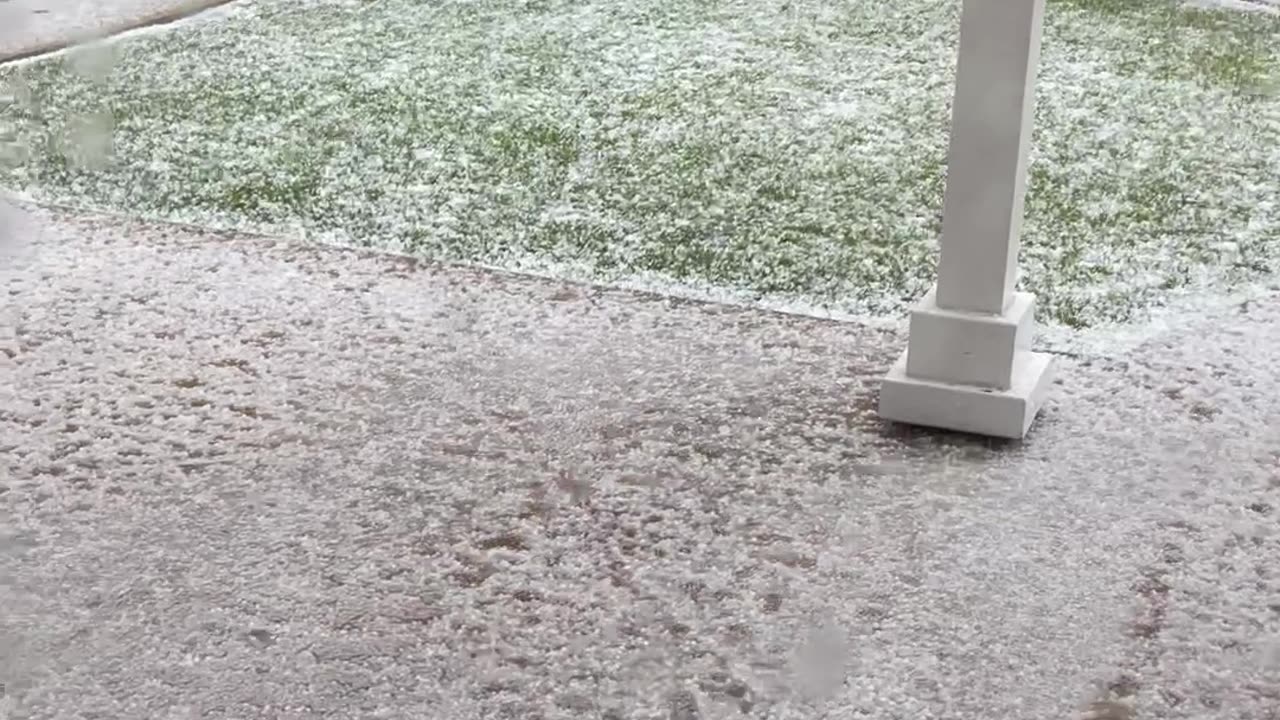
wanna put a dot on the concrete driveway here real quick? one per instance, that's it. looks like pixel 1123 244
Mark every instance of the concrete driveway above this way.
pixel 35 27
pixel 247 478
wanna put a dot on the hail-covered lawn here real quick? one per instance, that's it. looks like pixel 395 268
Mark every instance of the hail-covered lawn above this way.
pixel 783 150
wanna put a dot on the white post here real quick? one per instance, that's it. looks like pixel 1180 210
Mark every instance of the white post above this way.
pixel 968 366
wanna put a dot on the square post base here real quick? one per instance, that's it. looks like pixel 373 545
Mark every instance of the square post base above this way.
pixel 969 408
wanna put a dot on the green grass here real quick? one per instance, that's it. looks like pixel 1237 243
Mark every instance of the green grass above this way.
pixel 1223 49
pixel 784 150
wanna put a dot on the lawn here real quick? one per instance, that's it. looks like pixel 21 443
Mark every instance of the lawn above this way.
pixel 780 151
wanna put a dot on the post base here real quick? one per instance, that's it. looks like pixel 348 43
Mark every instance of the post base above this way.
pixel 968 408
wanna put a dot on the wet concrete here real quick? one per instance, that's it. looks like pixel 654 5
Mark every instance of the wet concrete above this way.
pixel 247 478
